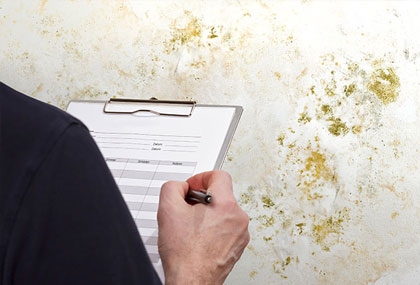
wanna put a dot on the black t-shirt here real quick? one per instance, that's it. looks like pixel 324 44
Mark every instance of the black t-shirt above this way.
pixel 62 217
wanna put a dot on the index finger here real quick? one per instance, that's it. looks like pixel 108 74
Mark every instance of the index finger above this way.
pixel 173 192
pixel 217 182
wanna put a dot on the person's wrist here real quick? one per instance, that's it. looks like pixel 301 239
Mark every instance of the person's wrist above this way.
pixel 178 279
pixel 184 273
pixel 175 277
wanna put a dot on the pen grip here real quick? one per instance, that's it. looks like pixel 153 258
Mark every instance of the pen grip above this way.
pixel 199 196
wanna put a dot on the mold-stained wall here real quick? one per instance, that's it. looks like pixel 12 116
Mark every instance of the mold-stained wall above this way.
pixel 326 158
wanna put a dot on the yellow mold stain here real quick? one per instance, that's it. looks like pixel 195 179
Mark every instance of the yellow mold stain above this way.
pixel 326 109
pixel 349 89
pixel 315 164
pixel 337 127
pixel 181 36
pixel 213 34
pixel 277 75
pixel 279 266
pixel 198 64
pixel 330 88
pixel 253 273
pixel 280 139
pixel 385 84
pixel 267 202
pixel 314 170
pixel 245 198
pixel 267 238
pixel 266 221
pixel 300 227
pixel 356 129
pixel 332 225
pixel 304 118
pixel 353 67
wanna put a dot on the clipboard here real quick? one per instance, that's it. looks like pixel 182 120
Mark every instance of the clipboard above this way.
pixel 128 106
pixel 148 142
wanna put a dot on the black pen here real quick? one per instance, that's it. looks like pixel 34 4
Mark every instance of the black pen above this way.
pixel 199 196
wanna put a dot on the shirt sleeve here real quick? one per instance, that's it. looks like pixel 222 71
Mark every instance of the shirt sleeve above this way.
pixel 73 226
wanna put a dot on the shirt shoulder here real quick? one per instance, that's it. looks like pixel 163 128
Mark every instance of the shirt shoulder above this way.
pixel 28 131
pixel 29 128
pixel 23 116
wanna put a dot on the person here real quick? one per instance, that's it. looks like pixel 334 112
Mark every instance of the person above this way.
pixel 64 221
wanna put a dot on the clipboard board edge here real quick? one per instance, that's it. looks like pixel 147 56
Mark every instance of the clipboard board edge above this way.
pixel 85 101
pixel 229 135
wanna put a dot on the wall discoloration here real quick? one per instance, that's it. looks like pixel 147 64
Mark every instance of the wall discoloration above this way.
pixel 191 32
pixel 326 158
pixel 385 84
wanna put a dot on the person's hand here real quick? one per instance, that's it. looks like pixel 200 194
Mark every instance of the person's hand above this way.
pixel 200 244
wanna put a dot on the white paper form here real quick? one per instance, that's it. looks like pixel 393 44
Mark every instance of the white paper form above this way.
pixel 143 151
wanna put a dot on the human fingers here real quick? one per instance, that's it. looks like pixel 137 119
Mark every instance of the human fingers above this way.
pixel 217 182
pixel 173 192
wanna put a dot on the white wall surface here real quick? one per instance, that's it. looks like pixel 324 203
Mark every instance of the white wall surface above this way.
pixel 326 158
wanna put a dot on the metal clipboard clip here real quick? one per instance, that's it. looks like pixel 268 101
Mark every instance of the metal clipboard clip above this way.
pixel 153 106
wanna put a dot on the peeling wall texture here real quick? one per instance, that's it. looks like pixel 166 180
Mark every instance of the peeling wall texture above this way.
pixel 326 158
